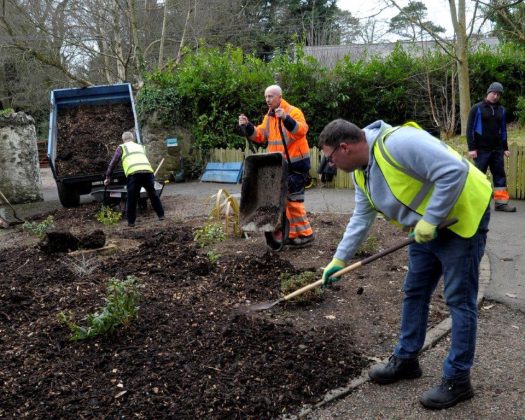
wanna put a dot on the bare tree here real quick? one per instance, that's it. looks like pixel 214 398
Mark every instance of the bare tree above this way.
pixel 456 48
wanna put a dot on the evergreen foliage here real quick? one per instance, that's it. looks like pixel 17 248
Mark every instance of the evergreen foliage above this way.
pixel 207 91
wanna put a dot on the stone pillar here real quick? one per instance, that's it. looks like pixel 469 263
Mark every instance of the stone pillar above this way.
pixel 20 179
pixel 154 137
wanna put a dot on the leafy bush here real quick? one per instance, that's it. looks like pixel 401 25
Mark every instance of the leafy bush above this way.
pixel 121 307
pixel 6 112
pixel 291 283
pixel 520 110
pixel 107 216
pixel 209 234
pixel 208 90
pixel 39 229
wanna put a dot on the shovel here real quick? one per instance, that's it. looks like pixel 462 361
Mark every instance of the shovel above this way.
pixel 267 305
pixel 18 219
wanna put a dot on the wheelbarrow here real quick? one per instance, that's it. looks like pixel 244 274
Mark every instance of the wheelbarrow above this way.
pixel 117 194
pixel 114 194
pixel 264 193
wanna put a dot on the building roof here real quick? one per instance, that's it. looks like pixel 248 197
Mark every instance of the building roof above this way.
pixel 329 55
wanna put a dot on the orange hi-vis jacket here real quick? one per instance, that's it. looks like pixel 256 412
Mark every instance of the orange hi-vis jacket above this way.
pixel 268 131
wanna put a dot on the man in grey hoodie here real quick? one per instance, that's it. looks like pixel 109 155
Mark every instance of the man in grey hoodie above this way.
pixel 418 182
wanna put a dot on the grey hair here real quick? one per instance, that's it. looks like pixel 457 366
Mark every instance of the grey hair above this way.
pixel 128 136
pixel 275 88
pixel 340 131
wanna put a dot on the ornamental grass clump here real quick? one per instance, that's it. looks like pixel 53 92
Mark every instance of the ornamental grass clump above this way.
pixel 290 283
pixel 121 307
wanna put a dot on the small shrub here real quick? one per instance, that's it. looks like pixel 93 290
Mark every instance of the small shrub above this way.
pixel 121 307
pixel 108 217
pixel 213 256
pixel 209 234
pixel 290 283
pixel 368 247
pixel 6 112
pixel 39 229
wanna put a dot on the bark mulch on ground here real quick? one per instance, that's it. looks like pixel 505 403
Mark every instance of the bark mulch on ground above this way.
pixel 193 351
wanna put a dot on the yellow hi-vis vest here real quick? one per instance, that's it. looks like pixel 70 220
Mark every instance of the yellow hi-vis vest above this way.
pixel 415 193
pixel 134 158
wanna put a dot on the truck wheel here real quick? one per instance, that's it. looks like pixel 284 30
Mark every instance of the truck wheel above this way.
pixel 68 195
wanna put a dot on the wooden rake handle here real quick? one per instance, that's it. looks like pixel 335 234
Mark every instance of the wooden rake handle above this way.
pixel 362 262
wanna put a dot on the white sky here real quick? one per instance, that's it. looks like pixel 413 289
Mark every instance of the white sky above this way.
pixel 438 10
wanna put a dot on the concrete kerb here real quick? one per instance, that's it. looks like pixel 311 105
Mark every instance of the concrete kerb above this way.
pixel 432 337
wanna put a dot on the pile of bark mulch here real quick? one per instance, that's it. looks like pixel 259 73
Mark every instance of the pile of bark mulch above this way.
pixel 192 352
pixel 88 135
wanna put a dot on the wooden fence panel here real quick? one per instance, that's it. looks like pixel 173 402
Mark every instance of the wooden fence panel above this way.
pixel 514 167
pixel 515 171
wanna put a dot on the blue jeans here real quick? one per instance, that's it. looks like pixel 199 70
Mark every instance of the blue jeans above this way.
pixel 457 259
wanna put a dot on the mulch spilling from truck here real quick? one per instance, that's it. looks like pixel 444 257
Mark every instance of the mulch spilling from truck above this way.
pixel 87 136
pixel 192 352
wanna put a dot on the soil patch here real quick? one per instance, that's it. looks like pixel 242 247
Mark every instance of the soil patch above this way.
pixel 192 351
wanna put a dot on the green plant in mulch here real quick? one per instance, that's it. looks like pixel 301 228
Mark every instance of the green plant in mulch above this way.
pixel 209 234
pixel 39 229
pixel 108 217
pixel 368 247
pixel 121 307
pixel 290 283
pixel 213 256
pixel 6 112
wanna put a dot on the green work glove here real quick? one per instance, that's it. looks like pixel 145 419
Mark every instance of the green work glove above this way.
pixel 424 232
pixel 334 266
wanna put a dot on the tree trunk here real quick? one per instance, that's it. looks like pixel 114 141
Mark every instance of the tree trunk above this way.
pixel 163 34
pixel 461 47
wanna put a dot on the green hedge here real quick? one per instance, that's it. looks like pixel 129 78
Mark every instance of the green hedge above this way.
pixel 209 89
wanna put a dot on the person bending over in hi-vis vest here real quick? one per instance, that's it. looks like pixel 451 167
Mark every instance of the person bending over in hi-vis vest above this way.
pixel 418 182
pixel 139 173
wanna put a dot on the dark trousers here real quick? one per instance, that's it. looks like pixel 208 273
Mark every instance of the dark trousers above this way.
pixel 493 160
pixel 134 184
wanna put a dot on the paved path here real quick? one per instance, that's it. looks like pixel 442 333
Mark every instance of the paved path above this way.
pixel 499 372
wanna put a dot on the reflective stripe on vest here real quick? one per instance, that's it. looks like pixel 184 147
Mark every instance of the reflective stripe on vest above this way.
pixel 414 192
pixel 134 158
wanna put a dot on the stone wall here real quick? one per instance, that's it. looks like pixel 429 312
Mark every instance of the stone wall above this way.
pixel 154 137
pixel 19 167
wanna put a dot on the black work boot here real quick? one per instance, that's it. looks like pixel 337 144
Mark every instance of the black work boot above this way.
pixel 505 207
pixel 448 394
pixel 301 241
pixel 395 370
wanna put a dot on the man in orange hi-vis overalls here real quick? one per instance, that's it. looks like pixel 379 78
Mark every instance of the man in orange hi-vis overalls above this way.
pixel 285 124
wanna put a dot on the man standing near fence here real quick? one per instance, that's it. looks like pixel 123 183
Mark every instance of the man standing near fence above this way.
pixel 487 143
pixel 283 130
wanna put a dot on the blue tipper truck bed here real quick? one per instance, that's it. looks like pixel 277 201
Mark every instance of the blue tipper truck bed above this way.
pixel 70 187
